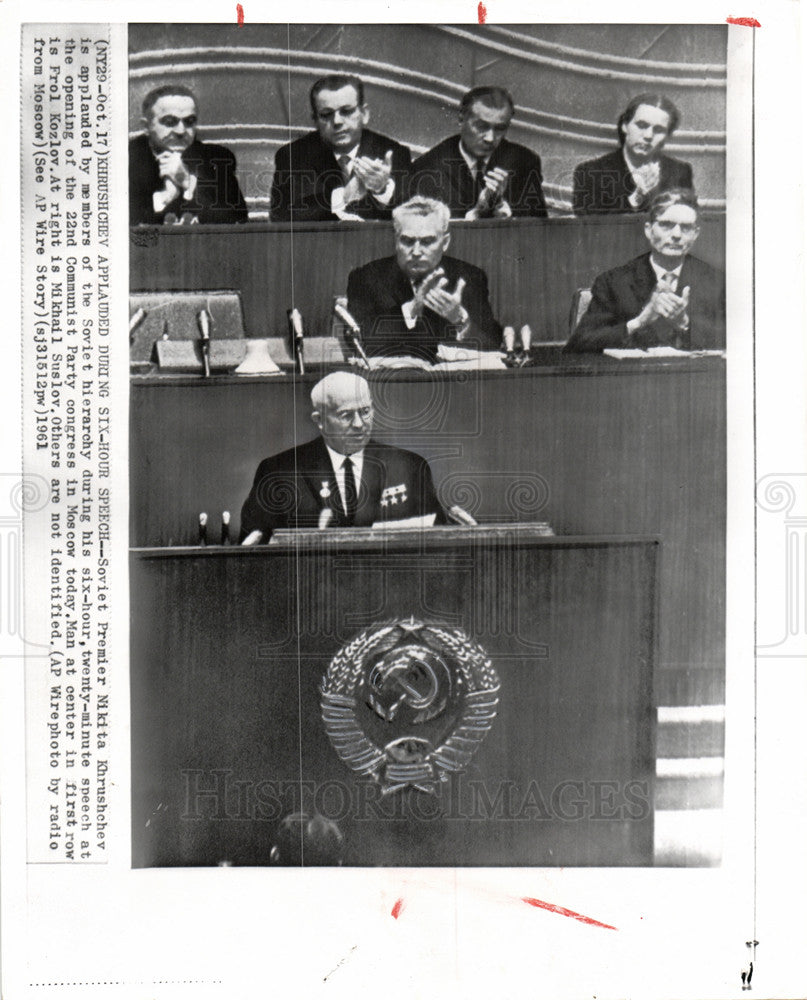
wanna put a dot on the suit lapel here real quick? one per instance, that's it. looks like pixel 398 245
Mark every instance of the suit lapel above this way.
pixel 627 183
pixel 321 481
pixel 398 284
pixel 372 483
pixel 643 280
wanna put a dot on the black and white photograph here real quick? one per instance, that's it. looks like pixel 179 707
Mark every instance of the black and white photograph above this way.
pixel 431 320
pixel 402 509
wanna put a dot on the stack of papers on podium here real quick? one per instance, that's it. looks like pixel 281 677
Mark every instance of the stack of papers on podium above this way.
pixel 660 352
pixel 450 359
pixel 457 358
pixel 425 521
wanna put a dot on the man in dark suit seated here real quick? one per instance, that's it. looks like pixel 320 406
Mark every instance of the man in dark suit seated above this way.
pixel 666 297
pixel 628 179
pixel 175 177
pixel 342 170
pixel 410 303
pixel 479 173
pixel 342 478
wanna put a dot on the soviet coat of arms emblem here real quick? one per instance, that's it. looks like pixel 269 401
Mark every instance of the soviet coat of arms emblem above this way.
pixel 408 702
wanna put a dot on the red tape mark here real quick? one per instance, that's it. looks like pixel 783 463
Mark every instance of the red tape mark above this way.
pixel 396 910
pixel 240 12
pixel 565 913
pixel 745 22
pixel 482 12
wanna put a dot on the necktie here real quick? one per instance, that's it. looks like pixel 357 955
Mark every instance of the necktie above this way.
pixel 479 176
pixel 350 491
pixel 344 163
pixel 680 338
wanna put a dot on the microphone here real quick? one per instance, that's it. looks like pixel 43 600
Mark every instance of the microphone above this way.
pixel 353 331
pixel 509 338
pixel 325 518
pixel 297 337
pixel 204 326
pixel 203 529
pixel 460 516
pixel 225 527
pixel 525 357
pixel 135 321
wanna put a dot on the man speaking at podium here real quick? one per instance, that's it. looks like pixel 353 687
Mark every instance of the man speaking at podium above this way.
pixel 342 478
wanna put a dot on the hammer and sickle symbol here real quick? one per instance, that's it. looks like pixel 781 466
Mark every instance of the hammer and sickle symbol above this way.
pixel 409 669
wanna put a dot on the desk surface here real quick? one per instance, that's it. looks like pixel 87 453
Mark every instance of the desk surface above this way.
pixel 533 265
pixel 548 360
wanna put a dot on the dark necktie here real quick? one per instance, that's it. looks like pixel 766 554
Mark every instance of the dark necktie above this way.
pixel 350 491
pixel 479 176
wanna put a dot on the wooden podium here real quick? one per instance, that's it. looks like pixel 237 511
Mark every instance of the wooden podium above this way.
pixel 534 656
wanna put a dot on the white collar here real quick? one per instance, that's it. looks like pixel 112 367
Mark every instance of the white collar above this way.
pixel 338 459
pixel 351 154
pixel 472 160
pixel 661 271
pixel 636 168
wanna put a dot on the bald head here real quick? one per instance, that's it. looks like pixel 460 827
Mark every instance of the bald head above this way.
pixel 342 409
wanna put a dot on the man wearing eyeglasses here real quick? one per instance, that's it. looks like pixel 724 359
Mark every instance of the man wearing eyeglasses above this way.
pixel 666 297
pixel 342 170
pixel 173 176
pixel 343 478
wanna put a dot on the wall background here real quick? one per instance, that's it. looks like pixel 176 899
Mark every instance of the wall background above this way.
pixel 569 82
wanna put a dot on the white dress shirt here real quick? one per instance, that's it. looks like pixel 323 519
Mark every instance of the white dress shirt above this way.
pixel 645 176
pixel 338 463
pixel 339 202
pixel 662 272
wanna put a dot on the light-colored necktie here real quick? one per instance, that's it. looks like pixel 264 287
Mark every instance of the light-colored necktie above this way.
pixel 344 163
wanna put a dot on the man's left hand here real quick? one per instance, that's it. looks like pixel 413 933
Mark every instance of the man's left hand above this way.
pixel 373 174
pixel 491 196
pixel 447 304
pixel 172 168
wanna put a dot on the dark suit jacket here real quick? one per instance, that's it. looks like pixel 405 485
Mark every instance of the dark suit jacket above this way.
pixel 621 294
pixel 604 185
pixel 306 172
pixel 377 291
pixel 217 198
pixel 442 173
pixel 288 489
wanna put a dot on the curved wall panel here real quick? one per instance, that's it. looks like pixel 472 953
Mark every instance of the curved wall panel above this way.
pixel 569 82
